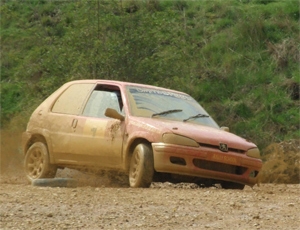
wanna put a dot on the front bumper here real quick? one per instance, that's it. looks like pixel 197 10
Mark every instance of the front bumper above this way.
pixel 206 162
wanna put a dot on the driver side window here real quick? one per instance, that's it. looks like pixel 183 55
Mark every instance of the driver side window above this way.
pixel 100 100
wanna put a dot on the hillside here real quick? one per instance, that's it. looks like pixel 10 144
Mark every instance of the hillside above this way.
pixel 238 58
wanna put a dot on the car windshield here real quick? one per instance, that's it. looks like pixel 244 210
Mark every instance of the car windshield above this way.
pixel 160 104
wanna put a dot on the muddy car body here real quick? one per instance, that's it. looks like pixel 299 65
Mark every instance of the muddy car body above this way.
pixel 147 132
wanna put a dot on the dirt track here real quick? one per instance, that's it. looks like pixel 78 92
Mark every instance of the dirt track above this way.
pixel 99 204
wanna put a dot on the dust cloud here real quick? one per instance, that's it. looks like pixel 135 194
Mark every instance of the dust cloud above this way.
pixel 281 163
pixel 11 157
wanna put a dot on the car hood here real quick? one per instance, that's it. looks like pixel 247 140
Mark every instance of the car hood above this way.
pixel 200 133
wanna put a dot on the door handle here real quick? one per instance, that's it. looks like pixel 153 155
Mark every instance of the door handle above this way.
pixel 74 123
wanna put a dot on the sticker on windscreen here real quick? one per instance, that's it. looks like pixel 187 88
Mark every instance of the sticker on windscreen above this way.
pixel 160 92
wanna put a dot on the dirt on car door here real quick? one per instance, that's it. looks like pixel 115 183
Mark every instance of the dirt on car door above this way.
pixel 101 142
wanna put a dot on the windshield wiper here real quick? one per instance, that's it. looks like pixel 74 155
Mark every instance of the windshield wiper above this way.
pixel 167 112
pixel 196 116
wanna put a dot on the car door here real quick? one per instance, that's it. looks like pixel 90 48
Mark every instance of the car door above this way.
pixel 101 140
pixel 63 126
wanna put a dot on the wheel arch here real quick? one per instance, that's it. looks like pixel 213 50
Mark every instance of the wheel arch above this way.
pixel 34 138
pixel 37 137
pixel 131 148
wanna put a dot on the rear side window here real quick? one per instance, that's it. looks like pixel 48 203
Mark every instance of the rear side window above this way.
pixel 72 99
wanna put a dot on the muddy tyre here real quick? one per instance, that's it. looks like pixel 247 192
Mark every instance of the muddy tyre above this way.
pixel 141 167
pixel 37 164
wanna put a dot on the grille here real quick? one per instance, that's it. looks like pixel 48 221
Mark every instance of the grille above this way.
pixel 219 167
pixel 217 147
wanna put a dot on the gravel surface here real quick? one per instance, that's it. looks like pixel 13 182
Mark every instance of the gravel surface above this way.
pixel 97 203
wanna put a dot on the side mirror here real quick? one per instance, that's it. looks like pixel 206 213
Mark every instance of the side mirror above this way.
pixel 225 129
pixel 112 113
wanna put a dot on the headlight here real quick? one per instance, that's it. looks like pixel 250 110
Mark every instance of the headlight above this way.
pixel 175 139
pixel 253 153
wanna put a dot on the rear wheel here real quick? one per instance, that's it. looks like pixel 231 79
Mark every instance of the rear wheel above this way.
pixel 37 164
pixel 232 185
pixel 141 167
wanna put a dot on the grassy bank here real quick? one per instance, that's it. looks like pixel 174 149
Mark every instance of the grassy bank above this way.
pixel 238 58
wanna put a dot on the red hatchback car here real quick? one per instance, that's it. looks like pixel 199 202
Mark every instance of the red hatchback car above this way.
pixel 147 132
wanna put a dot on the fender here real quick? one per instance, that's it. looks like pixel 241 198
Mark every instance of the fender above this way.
pixel 132 137
pixel 27 137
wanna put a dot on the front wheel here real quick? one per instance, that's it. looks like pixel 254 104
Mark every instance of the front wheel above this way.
pixel 37 163
pixel 141 169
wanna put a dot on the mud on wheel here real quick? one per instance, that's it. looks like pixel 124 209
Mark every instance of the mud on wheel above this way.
pixel 36 163
pixel 141 166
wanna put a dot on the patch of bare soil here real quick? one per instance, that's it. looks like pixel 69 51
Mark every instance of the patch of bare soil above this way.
pixel 103 202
